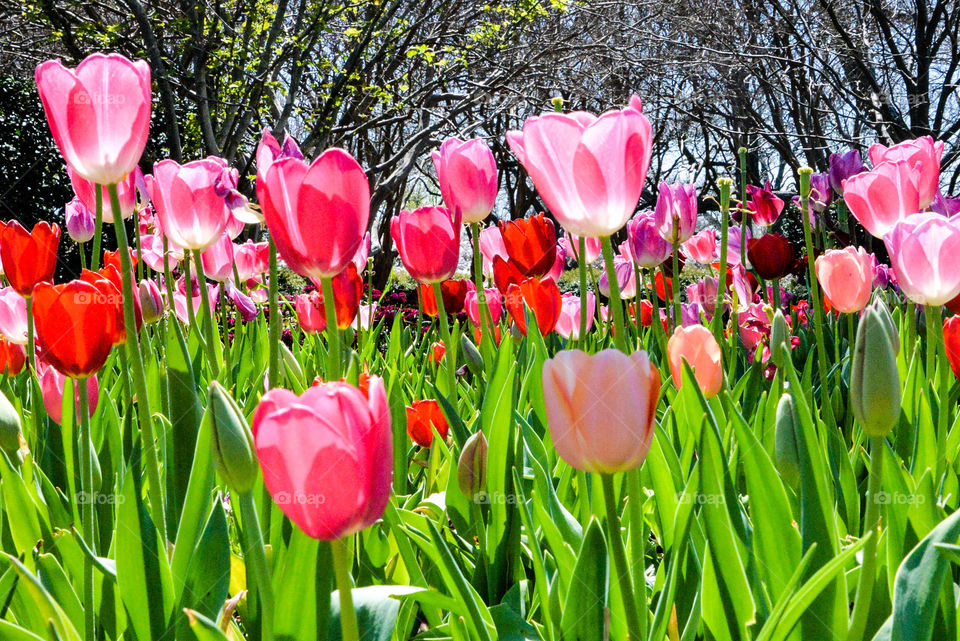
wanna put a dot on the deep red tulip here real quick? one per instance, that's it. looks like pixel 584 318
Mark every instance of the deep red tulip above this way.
pixel 453 292
pixel 76 325
pixel 664 293
pixel 505 273
pixel 531 244
pixel 951 339
pixel 12 358
pixel 113 258
pixel 646 313
pixel 542 297
pixel 422 418
pixel 771 255
pixel 347 292
pixel 28 257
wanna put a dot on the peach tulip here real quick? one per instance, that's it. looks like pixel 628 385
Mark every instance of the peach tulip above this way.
pixel 846 276
pixel 468 177
pixel 326 455
pixel 696 345
pixel 601 408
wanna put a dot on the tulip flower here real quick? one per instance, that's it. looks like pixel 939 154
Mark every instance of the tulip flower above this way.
pixel 13 316
pixel 363 253
pixel 75 326
pixel 326 455
pixel 542 297
pixel 647 248
pixel 951 340
pixel 189 200
pixel 589 170
pixel 842 167
pixel 571 245
pixel 948 206
pixel 126 194
pixel 112 258
pixel 559 264
pixel 316 213
pixel 846 276
pixel 472 304
pixel 52 385
pixel 422 418
pixel 697 346
pixel 347 292
pixel 80 221
pixel 99 114
pixel 151 249
pixel 252 260
pixel 924 252
pixel 437 351
pixel 923 155
pixel 601 408
pixel 703 294
pixel 195 301
pixel 491 246
pixel 218 259
pixel 568 325
pixel 820 192
pixel 626 279
pixel 468 177
pixel 28 257
pixel 734 235
pixel 151 302
pixel 310 314
pixel 505 273
pixel 874 375
pixel 771 255
pixel 428 240
pixel 453 292
pixel 675 215
pixel 12 358
pixel 883 196
pixel 764 205
pixel 109 285
pixel 531 244
pixel 702 246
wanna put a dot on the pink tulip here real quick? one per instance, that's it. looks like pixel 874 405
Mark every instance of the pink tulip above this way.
pixel 703 294
pixel 80 221
pixel 472 305
pixel 883 196
pixel 366 315
pixel 571 244
pixel 151 301
pixel 764 205
pixel 925 255
pixel 317 213
pixel 86 191
pixel 491 246
pixel 218 260
pixel 601 408
pixel 189 199
pixel 923 154
pixel 568 325
pixel 846 276
pixel 151 248
pixel 269 151
pixel 99 113
pixel 754 325
pixel 559 263
pixel 180 303
pixel 13 316
pixel 310 312
pixel 51 390
pixel 733 244
pixel 626 278
pixel 702 246
pixel 647 248
pixel 696 345
pixel 468 177
pixel 589 170
pixel 676 212
pixel 252 260
pixel 428 240
pixel 363 254
pixel 327 455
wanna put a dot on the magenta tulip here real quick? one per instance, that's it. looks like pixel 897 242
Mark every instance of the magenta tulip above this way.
pixel 316 213
pixel 327 455
pixel 151 301
pixel 471 303
pixel 846 276
pixel 218 260
pixel 925 255
pixel 189 199
pixel 883 196
pixel 647 248
pixel 764 205
pixel 99 113
pixel 923 154
pixel 675 215
pixel 468 177
pixel 589 170
pixel 428 240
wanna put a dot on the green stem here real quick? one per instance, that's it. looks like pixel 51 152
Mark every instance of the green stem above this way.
pixel 207 318
pixel 332 331
pixel 935 336
pixel 582 267
pixel 259 583
pixel 744 216
pixel 620 332
pixel 725 185
pixel 825 402
pixel 274 311
pixel 97 229
pixel 449 356
pixel 864 598
pixel 621 569
pixel 676 274
pixel 83 256
pixel 486 319
pixel 342 565
pixel 638 543
pixel 86 493
pixel 655 323
pixel 139 377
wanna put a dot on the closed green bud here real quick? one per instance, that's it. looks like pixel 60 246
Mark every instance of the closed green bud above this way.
pixel 472 355
pixel 472 466
pixel 874 376
pixel 9 425
pixel 232 441
pixel 779 338
pixel 785 441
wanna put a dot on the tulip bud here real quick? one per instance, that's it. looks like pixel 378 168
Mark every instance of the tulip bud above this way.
pixel 874 377
pixel 779 338
pixel 785 441
pixel 9 425
pixel 472 355
pixel 80 221
pixel 557 103
pixel 232 440
pixel 472 466
pixel 151 302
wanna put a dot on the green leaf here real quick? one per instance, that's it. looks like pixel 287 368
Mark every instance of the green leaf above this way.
pixel 185 415
pixel 203 628
pixel 377 608
pixel 584 611
pixel 302 588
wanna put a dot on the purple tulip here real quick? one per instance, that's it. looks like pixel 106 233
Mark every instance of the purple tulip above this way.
pixel 676 206
pixel 948 206
pixel 647 247
pixel 843 166
pixel 81 223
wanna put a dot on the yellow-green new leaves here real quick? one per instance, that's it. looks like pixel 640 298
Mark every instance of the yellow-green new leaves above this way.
pixel 874 378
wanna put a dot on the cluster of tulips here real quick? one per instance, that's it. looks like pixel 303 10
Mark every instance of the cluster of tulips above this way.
pixel 673 463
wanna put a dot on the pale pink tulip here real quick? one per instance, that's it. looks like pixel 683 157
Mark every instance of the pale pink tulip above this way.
pixel 491 246
pixel 51 390
pixel 923 154
pixel 925 255
pixel 468 177
pixel 846 276
pixel 883 196
pixel 13 316
pixel 218 260
pixel 472 305
pixel 696 345
pixel 151 248
pixel 568 325
pixel 571 244
pixel 189 200
pixel 86 191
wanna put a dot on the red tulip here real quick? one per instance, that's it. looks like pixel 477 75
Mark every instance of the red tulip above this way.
pixel 531 244
pixel 12 357
pixel 771 255
pixel 951 339
pixel 542 297
pixel 76 325
pixel 664 293
pixel 347 292
pixel 437 351
pixel 109 288
pixel 113 259
pixel 505 273
pixel 453 292
pixel 422 418
pixel 99 113
pixel 428 240
pixel 28 257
